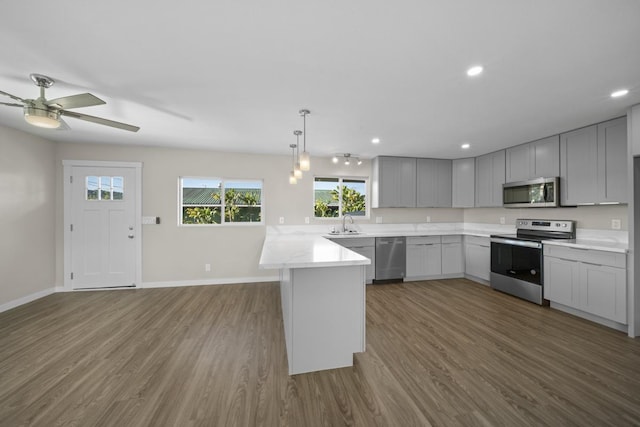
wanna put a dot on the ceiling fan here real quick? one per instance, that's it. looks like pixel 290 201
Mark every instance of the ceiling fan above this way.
pixel 46 113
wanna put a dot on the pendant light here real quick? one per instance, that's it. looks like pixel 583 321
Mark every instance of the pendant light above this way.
pixel 297 171
pixel 292 175
pixel 305 160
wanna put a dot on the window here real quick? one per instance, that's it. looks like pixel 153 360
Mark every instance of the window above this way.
pixel 334 197
pixel 104 188
pixel 218 201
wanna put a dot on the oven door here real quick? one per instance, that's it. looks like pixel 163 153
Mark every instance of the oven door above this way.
pixel 519 259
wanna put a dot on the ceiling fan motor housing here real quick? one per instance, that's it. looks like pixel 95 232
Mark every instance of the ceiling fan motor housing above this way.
pixel 42 117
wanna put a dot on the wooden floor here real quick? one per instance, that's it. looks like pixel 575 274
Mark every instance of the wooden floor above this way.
pixel 446 353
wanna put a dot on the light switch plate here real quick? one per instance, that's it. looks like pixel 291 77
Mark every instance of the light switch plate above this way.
pixel 281 221
pixel 502 220
pixel 615 224
pixel 378 220
pixel 150 220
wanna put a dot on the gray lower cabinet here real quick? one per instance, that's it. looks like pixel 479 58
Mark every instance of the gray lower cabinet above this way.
pixel 490 175
pixel 424 257
pixel 463 183
pixel 433 187
pixel 477 256
pixel 588 280
pixel 533 160
pixel 452 261
pixel 365 246
pixel 393 182
pixel 593 164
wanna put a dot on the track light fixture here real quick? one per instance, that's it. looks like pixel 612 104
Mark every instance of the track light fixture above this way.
pixel 347 158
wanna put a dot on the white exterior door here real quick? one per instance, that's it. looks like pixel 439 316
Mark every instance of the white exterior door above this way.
pixel 103 227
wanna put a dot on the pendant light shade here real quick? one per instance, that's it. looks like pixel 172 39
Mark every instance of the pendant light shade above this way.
pixel 292 174
pixel 297 170
pixel 305 159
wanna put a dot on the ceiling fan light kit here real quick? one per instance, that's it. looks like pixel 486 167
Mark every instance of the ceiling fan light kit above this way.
pixel 45 113
pixel 49 119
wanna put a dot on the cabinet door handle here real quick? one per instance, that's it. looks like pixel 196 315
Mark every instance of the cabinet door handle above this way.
pixel 591 263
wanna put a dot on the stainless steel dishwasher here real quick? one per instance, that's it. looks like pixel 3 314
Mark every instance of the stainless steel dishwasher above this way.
pixel 391 258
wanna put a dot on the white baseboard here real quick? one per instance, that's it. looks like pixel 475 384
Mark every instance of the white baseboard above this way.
pixel 205 282
pixel 27 298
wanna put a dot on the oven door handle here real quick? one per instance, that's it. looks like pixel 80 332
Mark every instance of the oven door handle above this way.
pixel 523 243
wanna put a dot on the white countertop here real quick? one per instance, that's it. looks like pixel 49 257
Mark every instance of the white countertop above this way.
pixel 308 246
pixel 304 251
pixel 599 245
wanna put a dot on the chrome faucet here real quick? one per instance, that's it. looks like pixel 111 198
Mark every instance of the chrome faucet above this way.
pixel 344 225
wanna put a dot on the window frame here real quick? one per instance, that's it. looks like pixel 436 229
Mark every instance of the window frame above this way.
pixel 341 178
pixel 222 204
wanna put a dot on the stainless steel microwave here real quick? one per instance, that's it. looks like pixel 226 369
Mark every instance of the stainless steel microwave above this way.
pixel 534 193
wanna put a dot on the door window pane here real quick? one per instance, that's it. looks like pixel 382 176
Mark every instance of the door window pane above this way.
pixel 104 188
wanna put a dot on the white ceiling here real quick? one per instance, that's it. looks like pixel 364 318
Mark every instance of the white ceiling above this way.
pixel 232 75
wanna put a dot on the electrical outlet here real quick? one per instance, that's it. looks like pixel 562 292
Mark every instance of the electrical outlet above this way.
pixel 502 220
pixel 428 218
pixel 281 221
pixel 378 220
pixel 615 224
pixel 306 220
pixel 207 267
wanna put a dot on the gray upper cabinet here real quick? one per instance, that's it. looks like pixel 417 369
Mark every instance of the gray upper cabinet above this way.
pixel 433 183
pixel 533 160
pixel 490 175
pixel 463 178
pixel 393 183
pixel 578 166
pixel 545 157
pixel 593 164
pixel 612 160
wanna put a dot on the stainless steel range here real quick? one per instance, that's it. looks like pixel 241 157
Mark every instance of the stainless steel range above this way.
pixel 516 260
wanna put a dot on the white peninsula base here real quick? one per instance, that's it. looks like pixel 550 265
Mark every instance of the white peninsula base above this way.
pixel 323 311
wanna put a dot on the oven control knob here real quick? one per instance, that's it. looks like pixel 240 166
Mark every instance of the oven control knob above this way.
pixel 534 272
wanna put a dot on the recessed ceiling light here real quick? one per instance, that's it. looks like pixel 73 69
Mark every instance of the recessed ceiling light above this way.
pixel 334 159
pixel 465 146
pixel 619 93
pixel 375 141
pixel 475 70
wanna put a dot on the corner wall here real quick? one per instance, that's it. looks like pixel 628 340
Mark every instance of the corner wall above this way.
pixel 27 217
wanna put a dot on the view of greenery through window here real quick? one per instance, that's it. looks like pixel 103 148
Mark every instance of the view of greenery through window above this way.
pixel 334 197
pixel 204 200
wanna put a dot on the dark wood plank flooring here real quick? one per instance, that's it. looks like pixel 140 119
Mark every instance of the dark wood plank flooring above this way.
pixel 444 353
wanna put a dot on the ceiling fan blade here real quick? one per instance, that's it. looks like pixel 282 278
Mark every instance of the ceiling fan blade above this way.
pixel 11 105
pixel 100 121
pixel 75 101
pixel 63 124
pixel 17 98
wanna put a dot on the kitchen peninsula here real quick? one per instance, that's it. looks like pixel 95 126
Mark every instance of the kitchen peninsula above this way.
pixel 322 291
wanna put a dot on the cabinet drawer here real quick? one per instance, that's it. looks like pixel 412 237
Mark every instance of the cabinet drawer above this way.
pixel 452 239
pixel 355 242
pixel 591 256
pixel 423 240
pixel 477 240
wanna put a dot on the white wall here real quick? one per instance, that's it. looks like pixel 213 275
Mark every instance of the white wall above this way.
pixel 27 216
pixel 593 217
pixel 173 254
